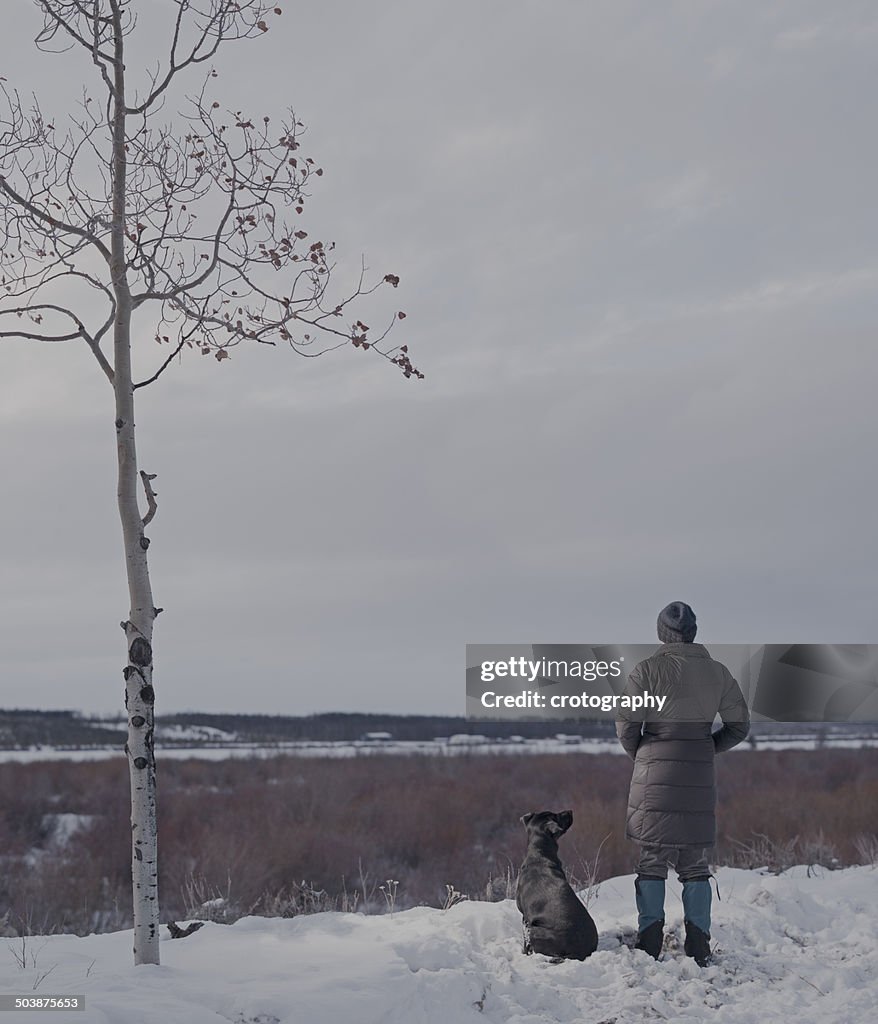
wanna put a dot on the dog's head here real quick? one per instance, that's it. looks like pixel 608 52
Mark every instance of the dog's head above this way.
pixel 547 823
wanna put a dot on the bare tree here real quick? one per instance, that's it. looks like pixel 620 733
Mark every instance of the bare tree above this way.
pixel 121 215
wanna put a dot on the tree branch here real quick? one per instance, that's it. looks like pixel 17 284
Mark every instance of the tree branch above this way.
pixel 165 364
pixel 34 336
pixel 53 222
pixel 104 364
pixel 147 479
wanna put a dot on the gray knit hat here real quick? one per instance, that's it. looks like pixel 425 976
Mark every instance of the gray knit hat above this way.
pixel 676 624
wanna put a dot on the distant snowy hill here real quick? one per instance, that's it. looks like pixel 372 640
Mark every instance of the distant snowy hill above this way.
pixel 802 946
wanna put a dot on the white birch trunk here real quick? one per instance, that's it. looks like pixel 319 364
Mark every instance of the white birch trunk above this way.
pixel 139 694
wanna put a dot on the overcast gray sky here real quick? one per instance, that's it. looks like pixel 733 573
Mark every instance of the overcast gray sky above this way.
pixel 638 250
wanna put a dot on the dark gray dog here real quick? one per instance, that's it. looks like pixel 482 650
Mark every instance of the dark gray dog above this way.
pixel 555 921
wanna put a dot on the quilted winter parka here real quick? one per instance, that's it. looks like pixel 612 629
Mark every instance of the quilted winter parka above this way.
pixel 672 798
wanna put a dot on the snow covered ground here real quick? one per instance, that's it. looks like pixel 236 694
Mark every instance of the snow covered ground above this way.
pixel 800 946
pixel 476 745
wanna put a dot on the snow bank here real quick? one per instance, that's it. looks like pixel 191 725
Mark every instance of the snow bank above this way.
pixel 462 744
pixel 787 947
pixel 60 828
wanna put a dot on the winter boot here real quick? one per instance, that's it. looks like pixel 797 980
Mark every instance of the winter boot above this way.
pixel 650 895
pixel 651 938
pixel 696 916
pixel 697 944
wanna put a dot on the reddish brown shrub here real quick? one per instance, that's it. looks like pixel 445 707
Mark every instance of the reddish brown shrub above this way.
pixel 253 830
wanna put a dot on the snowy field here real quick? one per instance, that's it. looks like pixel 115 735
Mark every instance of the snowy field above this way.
pixel 451 747
pixel 797 946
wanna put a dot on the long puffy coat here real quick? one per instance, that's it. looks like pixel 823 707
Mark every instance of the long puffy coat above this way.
pixel 672 798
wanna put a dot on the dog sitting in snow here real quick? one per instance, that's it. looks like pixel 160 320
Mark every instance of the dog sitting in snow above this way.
pixel 555 921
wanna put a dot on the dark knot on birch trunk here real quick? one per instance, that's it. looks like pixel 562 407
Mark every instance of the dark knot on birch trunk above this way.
pixel 140 652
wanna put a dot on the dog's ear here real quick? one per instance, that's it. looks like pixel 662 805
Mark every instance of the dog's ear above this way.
pixel 525 818
pixel 560 824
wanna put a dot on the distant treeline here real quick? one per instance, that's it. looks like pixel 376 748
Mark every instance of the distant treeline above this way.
pixel 26 728
pixel 52 729
pixel 344 726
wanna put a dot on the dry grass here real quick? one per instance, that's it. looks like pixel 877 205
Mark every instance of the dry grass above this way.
pixel 287 836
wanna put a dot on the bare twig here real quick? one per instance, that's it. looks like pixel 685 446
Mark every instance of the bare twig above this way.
pixel 41 976
pixel 147 479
